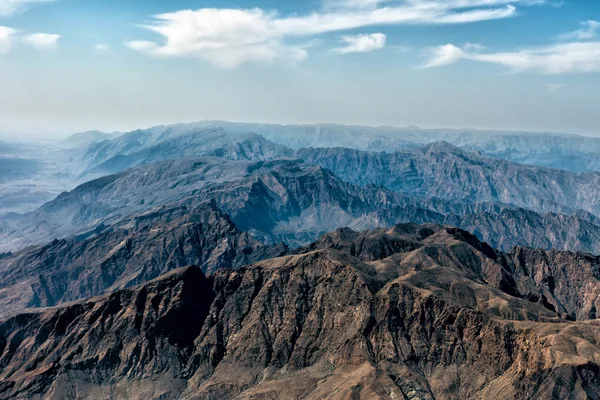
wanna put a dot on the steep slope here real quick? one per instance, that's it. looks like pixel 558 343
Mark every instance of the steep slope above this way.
pixel 424 323
pixel 133 251
pixel 564 282
pixel 447 172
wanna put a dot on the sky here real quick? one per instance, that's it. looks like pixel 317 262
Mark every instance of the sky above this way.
pixel 116 65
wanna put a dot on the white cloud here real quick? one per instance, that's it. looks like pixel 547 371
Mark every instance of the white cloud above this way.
pixel 142 45
pixel 42 41
pixel 362 43
pixel 443 55
pixel 6 39
pixel 231 37
pixel 334 4
pixel 576 57
pixel 10 7
pixel 588 30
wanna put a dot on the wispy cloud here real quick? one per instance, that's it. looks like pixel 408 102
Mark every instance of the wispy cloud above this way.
pixel 102 48
pixel 10 37
pixel 42 41
pixel 588 30
pixel 362 43
pixel 575 57
pixel 339 4
pixel 231 37
pixel 6 39
pixel 10 7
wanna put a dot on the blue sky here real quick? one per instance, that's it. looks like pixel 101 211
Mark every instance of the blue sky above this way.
pixel 73 65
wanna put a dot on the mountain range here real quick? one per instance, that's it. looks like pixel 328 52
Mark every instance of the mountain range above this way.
pixel 415 311
pixel 135 250
pixel 93 154
pixel 295 196
pixel 219 260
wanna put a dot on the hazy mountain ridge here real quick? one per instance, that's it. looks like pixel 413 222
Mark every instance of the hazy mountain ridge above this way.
pixel 95 159
pixel 554 150
pixel 144 147
pixel 88 138
pixel 433 317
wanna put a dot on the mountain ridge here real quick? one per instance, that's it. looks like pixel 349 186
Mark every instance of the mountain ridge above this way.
pixel 286 200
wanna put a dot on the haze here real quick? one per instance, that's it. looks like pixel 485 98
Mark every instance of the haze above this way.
pixel 68 66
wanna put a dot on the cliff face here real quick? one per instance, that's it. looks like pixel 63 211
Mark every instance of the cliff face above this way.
pixel 567 282
pixel 423 312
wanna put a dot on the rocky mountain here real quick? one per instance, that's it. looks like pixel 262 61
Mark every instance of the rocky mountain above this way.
pixel 439 169
pixel 135 250
pixel 526 273
pixel 450 173
pixel 282 200
pixel 424 312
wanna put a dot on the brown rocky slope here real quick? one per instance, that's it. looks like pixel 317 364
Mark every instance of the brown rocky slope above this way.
pixel 132 251
pixel 413 312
